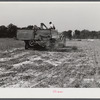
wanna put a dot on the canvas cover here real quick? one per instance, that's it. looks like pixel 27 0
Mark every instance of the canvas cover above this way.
pixel 25 34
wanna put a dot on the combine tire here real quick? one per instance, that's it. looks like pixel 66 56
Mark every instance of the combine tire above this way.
pixel 31 43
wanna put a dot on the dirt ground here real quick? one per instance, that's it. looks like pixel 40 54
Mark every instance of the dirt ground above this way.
pixel 76 66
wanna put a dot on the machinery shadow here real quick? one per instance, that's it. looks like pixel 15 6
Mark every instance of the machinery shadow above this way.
pixel 58 49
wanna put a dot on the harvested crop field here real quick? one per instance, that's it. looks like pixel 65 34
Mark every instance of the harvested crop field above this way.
pixel 75 66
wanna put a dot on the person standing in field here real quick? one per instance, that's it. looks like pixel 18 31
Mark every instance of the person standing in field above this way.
pixel 51 26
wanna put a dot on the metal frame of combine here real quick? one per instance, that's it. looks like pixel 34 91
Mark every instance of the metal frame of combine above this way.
pixel 45 38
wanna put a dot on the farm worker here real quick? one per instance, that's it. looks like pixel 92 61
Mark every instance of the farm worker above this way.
pixel 51 26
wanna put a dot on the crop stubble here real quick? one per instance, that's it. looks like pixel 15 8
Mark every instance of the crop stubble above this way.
pixel 77 67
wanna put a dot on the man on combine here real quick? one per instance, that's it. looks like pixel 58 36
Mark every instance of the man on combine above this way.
pixel 51 25
pixel 43 26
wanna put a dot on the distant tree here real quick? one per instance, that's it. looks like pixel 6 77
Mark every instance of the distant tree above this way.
pixel 94 35
pixel 64 33
pixel 69 34
pixel 30 27
pixel 19 28
pixel 85 34
pixel 24 28
pixel 77 34
pixel 98 34
pixel 12 30
pixel 3 31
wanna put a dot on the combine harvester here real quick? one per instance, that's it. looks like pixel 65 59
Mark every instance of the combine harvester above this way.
pixel 38 37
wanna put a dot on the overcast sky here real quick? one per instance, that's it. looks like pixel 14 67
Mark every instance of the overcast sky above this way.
pixel 65 15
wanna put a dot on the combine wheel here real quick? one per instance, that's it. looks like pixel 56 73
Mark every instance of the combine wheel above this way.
pixel 31 43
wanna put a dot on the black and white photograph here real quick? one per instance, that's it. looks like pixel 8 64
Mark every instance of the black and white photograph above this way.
pixel 50 45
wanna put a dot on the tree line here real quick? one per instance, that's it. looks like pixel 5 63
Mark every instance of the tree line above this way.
pixel 84 34
pixel 10 31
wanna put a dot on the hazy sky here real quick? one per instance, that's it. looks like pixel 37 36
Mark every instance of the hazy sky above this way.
pixel 65 15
